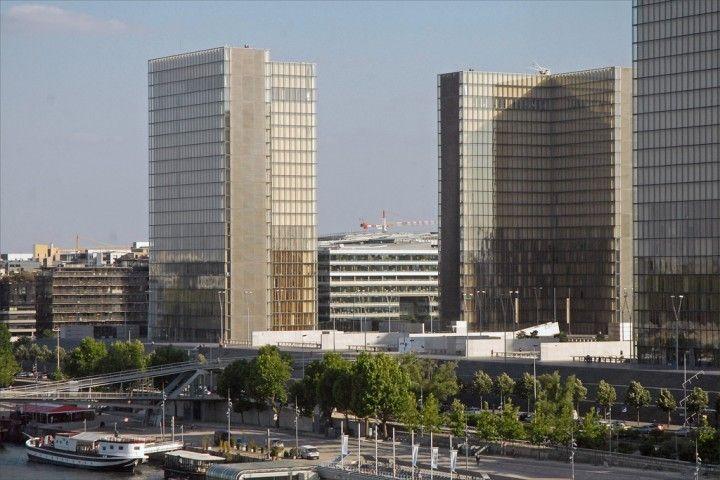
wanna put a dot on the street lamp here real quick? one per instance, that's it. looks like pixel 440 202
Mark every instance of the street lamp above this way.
pixel 303 354
pixel 676 311
pixel 480 294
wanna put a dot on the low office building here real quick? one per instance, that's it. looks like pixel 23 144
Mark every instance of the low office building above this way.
pixel 378 282
pixel 17 303
pixel 103 301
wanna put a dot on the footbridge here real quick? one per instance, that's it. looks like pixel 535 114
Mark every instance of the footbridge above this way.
pixel 179 375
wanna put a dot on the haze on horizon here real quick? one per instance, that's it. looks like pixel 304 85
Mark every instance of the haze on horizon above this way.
pixel 73 96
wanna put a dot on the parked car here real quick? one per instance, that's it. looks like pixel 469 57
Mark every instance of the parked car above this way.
pixel 308 452
pixel 650 428
pixel 683 431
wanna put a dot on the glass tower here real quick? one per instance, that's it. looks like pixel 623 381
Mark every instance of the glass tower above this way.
pixel 676 54
pixel 232 195
pixel 535 199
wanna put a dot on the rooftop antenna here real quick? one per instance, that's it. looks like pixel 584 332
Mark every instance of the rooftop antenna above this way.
pixel 540 69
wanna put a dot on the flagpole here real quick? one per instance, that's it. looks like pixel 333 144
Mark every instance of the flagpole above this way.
pixel 358 444
pixel 412 454
pixel 342 445
pixel 451 462
pixel 376 446
pixel 431 455
pixel 393 452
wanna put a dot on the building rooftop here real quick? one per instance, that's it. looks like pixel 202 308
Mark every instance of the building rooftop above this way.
pixel 397 241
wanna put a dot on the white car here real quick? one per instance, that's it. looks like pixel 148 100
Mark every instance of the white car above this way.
pixel 308 452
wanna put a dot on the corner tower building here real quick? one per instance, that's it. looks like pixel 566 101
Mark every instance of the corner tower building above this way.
pixel 232 153
pixel 676 55
pixel 535 198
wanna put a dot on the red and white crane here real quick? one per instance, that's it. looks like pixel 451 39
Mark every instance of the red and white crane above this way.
pixel 384 224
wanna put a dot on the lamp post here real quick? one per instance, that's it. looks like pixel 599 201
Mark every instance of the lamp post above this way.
pixel 303 354
pixel 222 318
pixel 676 311
pixel 502 306
pixel 480 294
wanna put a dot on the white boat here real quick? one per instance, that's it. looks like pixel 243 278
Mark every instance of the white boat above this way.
pixel 88 450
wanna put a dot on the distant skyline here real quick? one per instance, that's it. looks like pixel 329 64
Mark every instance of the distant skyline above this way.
pixel 73 96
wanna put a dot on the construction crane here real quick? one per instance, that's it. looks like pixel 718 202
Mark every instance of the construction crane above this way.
pixel 384 225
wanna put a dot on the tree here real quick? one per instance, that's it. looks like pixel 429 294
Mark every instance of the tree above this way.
pixel 429 376
pixel 579 393
pixel 409 415
pixel 509 426
pixel 697 402
pixel 554 419
pixel 637 396
pixel 457 418
pixel 268 376
pixel 332 369
pixel 708 440
pixel 483 385
pixel 88 358
pixel 8 366
pixel 165 355
pixel 606 396
pixel 486 425
pixel 379 388
pixel 125 356
pixel 505 386
pixel 234 380
pixel 592 433
pixel 551 383
pixel 667 403
pixel 430 417
pixel 526 387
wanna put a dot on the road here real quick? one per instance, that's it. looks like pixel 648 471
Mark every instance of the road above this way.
pixel 499 468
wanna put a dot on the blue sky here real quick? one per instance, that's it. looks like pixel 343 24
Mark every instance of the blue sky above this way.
pixel 73 96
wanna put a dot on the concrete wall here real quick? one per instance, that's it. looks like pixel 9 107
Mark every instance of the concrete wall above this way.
pixel 327 339
pixel 564 351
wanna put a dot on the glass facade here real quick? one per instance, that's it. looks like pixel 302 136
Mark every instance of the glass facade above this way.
pixel 676 59
pixel 534 197
pixel 189 158
pixel 294 215
pixel 232 195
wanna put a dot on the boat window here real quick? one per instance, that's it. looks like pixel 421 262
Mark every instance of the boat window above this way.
pixel 120 448
pixel 137 448
pixel 112 447
pixel 104 448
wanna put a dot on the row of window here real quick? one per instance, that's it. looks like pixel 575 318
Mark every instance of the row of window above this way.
pixel 677 137
pixel 684 155
pixel 677 26
pixel 695 117
pixel 652 11
pixel 694 172
pixel 676 192
pixel 188 125
pixel 680 247
pixel 678 82
pixel 188 86
pixel 678 228
pixel 676 64
pixel 661 102
pixel 659 211
pixel 664 47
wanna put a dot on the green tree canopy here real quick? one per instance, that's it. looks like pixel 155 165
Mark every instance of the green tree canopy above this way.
pixel 579 393
pixel 486 425
pixel 88 358
pixel 606 396
pixel 637 396
pixel 509 426
pixel 526 387
pixel 505 386
pixel 430 376
pixel 379 387
pixel 457 418
pixel 431 417
pixel 165 355
pixel 410 416
pixel 667 403
pixel 235 379
pixel 333 368
pixel 483 385
pixel 125 356
pixel 592 433
pixel 269 374
pixel 8 366
pixel 697 402
pixel 551 383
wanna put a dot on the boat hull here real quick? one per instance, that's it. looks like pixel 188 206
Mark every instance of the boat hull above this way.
pixel 73 460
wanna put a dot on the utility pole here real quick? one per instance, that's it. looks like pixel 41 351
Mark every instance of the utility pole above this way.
pixel 162 427
pixel 676 311
pixel 502 305
pixel 573 446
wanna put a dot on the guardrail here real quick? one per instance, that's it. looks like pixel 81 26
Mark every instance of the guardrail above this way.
pixel 370 348
pixel 303 345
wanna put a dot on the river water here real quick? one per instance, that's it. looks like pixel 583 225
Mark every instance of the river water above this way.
pixel 14 465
